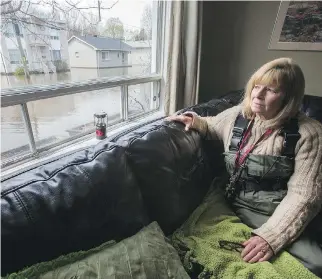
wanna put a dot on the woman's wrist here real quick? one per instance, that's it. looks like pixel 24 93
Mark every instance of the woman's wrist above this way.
pixel 198 123
pixel 194 116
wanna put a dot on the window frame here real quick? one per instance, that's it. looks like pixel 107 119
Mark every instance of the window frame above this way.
pixel 22 95
pixel 14 54
pixel 108 55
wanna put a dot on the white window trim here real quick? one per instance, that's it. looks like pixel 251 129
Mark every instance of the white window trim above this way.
pixel 78 144
pixel 108 55
pixel 22 95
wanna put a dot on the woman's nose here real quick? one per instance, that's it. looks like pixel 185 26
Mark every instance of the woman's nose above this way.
pixel 260 93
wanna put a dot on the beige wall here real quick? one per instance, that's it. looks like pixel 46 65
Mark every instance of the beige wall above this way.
pixel 235 43
pixel 115 59
pixel 87 55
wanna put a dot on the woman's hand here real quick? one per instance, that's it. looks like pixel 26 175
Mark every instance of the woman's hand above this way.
pixel 256 250
pixel 186 119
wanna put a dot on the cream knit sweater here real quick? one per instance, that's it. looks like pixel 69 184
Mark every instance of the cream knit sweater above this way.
pixel 304 197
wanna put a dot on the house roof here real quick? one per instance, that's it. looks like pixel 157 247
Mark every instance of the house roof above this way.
pixel 103 43
pixel 140 44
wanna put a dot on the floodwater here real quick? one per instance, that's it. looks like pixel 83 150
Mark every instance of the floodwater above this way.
pixel 58 118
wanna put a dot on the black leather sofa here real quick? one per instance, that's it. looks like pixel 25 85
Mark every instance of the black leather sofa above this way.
pixel 157 172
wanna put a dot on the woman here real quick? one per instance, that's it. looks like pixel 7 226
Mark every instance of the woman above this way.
pixel 276 193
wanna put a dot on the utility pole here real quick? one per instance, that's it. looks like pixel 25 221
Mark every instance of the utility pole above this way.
pixel 99 10
pixel 5 68
pixel 22 53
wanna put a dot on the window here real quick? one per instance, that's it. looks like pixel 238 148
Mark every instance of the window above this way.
pixel 9 35
pixel 12 120
pixel 55 54
pixel 57 109
pixel 105 55
pixel 14 55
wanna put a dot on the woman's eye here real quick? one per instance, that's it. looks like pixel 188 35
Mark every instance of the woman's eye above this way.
pixel 272 90
pixel 256 86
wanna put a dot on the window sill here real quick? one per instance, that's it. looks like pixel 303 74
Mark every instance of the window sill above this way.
pixel 71 147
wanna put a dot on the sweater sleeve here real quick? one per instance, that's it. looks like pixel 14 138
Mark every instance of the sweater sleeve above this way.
pixel 215 127
pixel 304 195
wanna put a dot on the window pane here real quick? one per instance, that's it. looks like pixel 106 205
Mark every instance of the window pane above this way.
pixel 14 55
pixel 139 98
pixel 14 138
pixel 60 118
pixel 64 43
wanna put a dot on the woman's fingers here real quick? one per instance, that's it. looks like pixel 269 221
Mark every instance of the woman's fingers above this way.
pixel 267 256
pixel 256 250
pixel 186 120
pixel 257 257
pixel 249 247
pixel 251 254
pixel 188 125
pixel 246 242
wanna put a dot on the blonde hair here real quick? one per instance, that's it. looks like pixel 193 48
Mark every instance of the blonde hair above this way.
pixel 288 77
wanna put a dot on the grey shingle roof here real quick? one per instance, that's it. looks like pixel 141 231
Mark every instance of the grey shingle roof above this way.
pixel 105 43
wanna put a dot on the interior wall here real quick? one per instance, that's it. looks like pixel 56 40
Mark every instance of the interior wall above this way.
pixel 235 43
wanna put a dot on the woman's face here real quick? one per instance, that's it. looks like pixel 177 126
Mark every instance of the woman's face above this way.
pixel 266 101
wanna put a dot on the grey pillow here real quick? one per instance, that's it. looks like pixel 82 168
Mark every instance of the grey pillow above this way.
pixel 147 254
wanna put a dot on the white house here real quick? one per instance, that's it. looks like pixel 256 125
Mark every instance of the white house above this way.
pixel 97 52
pixel 141 52
pixel 44 43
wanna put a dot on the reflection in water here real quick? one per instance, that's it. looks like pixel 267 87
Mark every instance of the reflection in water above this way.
pixel 75 74
pixel 61 117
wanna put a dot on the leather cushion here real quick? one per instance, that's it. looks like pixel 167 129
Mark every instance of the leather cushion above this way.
pixel 171 168
pixel 75 203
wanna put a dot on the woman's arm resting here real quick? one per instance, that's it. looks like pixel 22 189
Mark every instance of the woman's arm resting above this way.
pixel 304 197
pixel 215 127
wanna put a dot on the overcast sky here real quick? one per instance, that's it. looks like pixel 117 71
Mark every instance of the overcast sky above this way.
pixel 128 11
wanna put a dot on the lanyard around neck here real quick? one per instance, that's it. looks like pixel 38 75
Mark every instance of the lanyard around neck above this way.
pixel 240 159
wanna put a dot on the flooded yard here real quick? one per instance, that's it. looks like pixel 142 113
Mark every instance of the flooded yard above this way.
pixel 58 118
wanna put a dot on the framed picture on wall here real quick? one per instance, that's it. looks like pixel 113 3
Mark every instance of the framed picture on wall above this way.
pixel 298 26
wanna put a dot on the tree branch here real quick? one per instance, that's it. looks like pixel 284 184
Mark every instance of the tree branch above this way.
pixel 91 7
pixel 5 3
pixel 12 10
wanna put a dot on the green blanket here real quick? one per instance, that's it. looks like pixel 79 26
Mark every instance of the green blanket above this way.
pixel 197 242
pixel 146 255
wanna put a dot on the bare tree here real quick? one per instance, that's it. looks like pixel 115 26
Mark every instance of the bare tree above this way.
pixel 114 28
pixel 145 34
pixel 146 23
pixel 48 11
pixel 80 19
pixel 131 34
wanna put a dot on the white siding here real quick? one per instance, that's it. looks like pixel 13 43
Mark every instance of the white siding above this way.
pixel 140 56
pixel 86 55
pixel 37 44
pixel 115 59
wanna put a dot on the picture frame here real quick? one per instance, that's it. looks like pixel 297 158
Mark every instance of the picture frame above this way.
pixel 298 26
